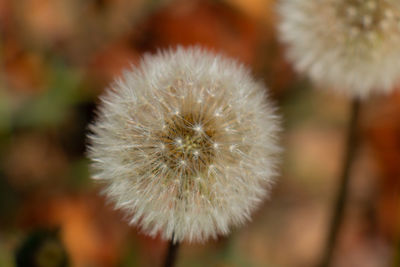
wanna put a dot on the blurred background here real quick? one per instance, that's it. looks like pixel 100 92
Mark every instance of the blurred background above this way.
pixel 57 56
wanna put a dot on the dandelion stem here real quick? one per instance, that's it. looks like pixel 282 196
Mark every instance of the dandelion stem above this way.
pixel 171 253
pixel 342 194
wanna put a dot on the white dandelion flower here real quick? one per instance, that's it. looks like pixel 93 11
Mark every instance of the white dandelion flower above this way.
pixel 350 45
pixel 186 144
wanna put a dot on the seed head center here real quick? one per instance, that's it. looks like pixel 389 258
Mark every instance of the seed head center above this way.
pixel 191 143
pixel 188 146
pixel 367 18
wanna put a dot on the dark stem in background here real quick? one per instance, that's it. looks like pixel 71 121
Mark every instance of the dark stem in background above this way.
pixel 341 198
pixel 170 258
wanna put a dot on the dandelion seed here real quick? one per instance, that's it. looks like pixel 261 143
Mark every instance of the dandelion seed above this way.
pixel 350 45
pixel 171 179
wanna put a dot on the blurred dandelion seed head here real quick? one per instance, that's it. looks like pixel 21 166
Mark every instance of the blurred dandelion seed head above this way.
pixel 186 144
pixel 351 45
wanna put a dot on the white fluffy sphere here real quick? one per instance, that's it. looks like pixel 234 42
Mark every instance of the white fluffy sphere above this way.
pixel 185 144
pixel 350 45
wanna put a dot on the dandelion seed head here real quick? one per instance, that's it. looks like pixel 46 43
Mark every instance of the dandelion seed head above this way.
pixel 168 161
pixel 350 45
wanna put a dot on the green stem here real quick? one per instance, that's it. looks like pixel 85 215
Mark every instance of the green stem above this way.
pixel 170 258
pixel 338 208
